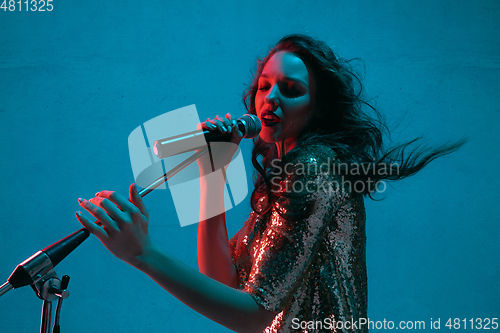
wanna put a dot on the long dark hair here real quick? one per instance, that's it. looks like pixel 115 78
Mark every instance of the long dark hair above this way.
pixel 341 122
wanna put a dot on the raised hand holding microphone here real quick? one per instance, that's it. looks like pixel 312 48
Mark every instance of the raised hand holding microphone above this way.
pixel 221 152
pixel 248 125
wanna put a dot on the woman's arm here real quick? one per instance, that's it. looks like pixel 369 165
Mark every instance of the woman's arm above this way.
pixel 124 232
pixel 232 308
pixel 214 256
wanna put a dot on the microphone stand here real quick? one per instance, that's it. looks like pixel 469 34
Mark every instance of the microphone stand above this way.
pixel 38 270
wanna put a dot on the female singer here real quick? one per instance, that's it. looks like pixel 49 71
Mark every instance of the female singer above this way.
pixel 300 257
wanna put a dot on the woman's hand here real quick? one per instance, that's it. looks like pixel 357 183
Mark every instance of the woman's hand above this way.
pixel 122 225
pixel 221 152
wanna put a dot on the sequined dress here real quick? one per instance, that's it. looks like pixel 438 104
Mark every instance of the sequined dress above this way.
pixel 305 258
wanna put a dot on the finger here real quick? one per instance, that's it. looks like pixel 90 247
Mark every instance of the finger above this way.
pixel 222 124
pixel 232 122
pixel 237 134
pixel 229 117
pixel 227 122
pixel 206 124
pixel 99 213
pixel 91 226
pixel 212 124
pixel 120 201
pixel 109 207
pixel 137 200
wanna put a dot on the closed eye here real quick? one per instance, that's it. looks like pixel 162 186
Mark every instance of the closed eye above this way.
pixel 291 90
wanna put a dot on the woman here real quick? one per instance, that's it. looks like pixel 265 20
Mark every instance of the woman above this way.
pixel 298 264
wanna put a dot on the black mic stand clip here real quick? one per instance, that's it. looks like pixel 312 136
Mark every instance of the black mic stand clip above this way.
pixel 50 288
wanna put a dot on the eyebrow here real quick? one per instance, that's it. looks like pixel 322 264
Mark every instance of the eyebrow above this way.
pixel 287 79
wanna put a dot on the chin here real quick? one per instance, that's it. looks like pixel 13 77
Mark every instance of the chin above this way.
pixel 267 138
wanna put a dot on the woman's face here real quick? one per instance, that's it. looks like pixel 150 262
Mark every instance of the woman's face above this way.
pixel 285 97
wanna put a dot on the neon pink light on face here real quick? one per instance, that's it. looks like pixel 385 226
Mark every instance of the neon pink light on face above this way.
pixel 285 96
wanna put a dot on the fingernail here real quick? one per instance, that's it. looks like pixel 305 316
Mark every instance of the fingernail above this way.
pixel 97 194
pixel 229 129
pixel 224 129
pixel 210 125
pixel 80 200
pixel 78 213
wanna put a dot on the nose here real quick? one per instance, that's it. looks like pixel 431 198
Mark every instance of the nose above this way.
pixel 273 96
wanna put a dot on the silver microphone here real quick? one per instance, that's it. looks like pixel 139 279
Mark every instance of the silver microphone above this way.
pixel 250 125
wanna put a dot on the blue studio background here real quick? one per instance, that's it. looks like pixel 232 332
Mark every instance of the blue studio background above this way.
pixel 74 82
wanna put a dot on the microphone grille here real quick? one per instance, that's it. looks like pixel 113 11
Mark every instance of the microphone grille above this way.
pixel 252 124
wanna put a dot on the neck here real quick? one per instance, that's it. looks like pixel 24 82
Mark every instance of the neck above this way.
pixel 285 146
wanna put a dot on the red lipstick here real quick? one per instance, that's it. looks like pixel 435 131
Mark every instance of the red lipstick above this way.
pixel 269 118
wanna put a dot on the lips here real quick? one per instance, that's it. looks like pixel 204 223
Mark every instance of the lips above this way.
pixel 269 118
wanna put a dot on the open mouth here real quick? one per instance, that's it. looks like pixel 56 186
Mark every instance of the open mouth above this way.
pixel 269 119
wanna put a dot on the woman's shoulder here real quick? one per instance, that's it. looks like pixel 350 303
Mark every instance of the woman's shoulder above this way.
pixel 308 183
pixel 316 153
pixel 306 165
